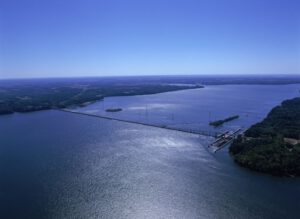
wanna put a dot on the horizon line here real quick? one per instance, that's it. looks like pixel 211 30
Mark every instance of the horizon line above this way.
pixel 153 75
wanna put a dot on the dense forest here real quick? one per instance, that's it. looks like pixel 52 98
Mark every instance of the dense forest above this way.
pixel 41 94
pixel 273 145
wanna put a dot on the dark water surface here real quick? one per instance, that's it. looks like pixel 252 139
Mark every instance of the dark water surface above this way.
pixel 60 165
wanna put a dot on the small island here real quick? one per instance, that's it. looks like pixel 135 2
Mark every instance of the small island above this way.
pixel 221 122
pixel 112 110
pixel 273 145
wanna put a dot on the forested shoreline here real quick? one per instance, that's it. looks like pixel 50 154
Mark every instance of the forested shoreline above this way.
pixel 272 146
pixel 35 95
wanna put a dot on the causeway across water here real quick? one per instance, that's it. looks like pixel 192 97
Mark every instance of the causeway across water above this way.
pixel 197 132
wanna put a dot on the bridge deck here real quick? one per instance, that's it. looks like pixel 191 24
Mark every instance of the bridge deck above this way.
pixel 205 133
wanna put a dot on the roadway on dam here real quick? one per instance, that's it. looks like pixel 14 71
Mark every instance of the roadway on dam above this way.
pixel 197 132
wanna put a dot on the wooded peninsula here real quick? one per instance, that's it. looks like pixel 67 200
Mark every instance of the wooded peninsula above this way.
pixel 273 145
pixel 222 121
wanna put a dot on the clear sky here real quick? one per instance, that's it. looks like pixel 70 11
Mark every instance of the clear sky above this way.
pixel 51 38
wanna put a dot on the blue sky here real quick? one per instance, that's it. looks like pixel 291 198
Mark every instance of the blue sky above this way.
pixel 58 38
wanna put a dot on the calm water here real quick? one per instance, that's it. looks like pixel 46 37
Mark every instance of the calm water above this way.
pixel 59 165
pixel 193 109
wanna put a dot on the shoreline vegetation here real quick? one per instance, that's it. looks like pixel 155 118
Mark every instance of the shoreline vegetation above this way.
pixel 222 121
pixel 273 145
pixel 35 95
pixel 28 95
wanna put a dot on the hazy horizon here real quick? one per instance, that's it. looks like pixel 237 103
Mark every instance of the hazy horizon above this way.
pixel 163 76
pixel 42 39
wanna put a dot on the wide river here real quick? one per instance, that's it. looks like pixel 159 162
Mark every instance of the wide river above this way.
pixel 61 165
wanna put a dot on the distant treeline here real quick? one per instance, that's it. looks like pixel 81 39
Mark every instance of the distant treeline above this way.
pixel 265 146
pixel 34 95
pixel 221 122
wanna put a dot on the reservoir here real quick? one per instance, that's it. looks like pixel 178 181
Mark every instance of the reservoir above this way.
pixel 195 108
pixel 60 165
